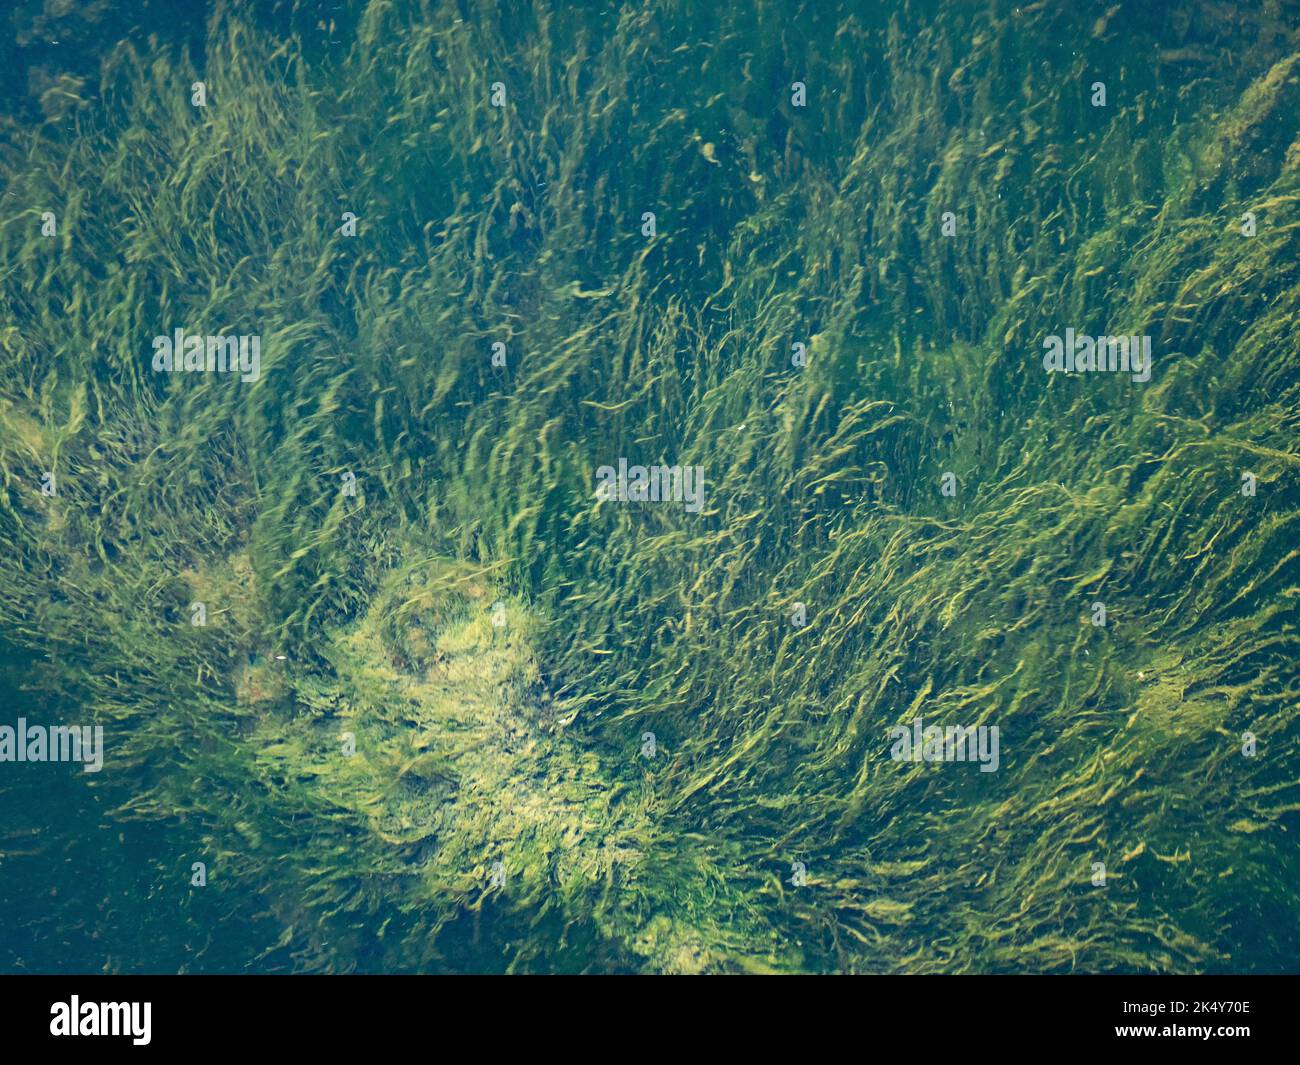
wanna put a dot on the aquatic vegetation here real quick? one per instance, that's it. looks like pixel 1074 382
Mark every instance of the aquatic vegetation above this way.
pixel 410 733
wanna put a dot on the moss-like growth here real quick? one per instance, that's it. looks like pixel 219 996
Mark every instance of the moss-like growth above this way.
pixel 475 743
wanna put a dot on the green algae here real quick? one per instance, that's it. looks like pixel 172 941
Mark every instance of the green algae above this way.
pixel 520 743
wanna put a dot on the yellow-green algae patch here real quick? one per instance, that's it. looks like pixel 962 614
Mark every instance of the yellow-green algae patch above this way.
pixel 430 725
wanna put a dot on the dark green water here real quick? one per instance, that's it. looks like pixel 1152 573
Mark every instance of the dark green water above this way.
pixel 448 708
